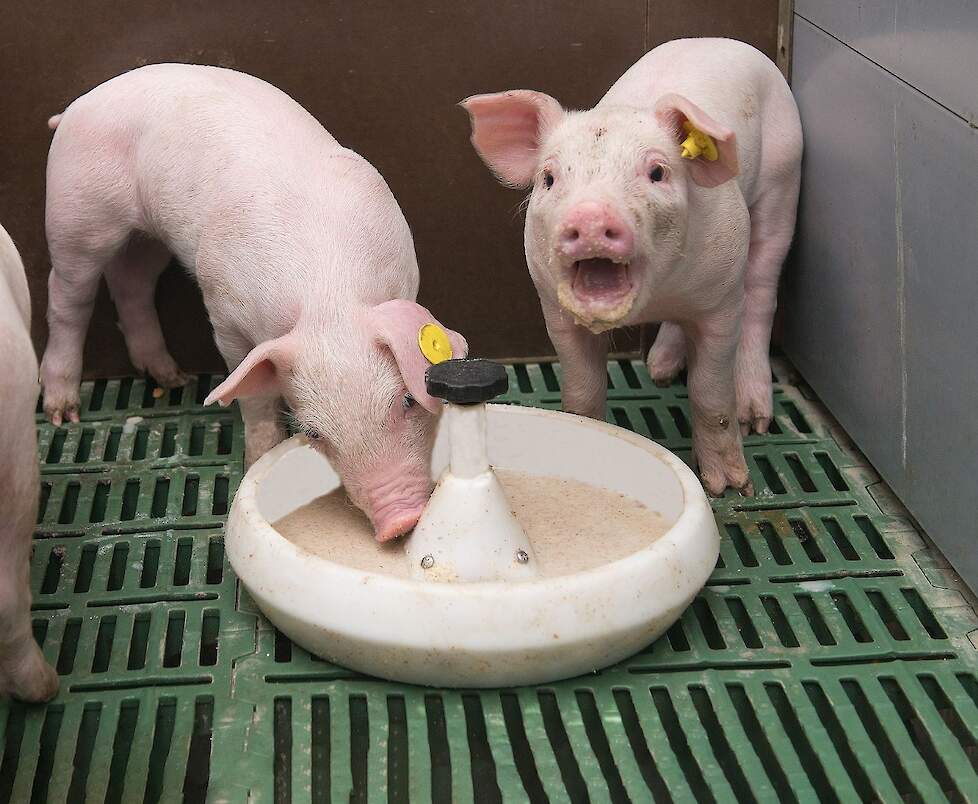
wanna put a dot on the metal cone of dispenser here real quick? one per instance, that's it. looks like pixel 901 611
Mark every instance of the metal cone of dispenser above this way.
pixel 468 531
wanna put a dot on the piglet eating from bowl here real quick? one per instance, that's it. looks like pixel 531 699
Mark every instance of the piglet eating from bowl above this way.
pixel 304 259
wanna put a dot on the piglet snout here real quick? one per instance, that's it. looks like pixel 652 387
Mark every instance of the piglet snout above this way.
pixel 591 229
pixel 397 524
pixel 394 503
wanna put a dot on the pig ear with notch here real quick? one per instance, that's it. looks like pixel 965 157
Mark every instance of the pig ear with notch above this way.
pixel 507 129
pixel 397 325
pixel 672 111
pixel 260 373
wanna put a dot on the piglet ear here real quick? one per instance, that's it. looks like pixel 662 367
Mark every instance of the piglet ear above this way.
pixel 396 324
pixel 507 128
pixel 672 111
pixel 260 373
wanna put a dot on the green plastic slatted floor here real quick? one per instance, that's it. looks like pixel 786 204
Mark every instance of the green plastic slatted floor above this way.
pixel 828 658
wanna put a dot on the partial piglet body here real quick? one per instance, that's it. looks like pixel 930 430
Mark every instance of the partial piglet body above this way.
pixel 23 671
pixel 305 262
pixel 623 229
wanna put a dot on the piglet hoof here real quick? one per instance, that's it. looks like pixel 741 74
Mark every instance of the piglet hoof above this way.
pixel 177 380
pixel 167 374
pixel 664 367
pixel 33 680
pixel 42 686
pixel 667 357
pixel 754 401
pixel 714 482
pixel 61 406
pixel 758 424
pixel 719 473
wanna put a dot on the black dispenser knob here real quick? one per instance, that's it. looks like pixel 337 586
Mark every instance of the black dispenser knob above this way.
pixel 466 382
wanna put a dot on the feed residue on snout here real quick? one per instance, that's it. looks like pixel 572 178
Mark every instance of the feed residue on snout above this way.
pixel 573 526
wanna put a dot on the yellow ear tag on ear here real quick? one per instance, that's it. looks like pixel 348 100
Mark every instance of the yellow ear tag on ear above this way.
pixel 698 143
pixel 434 344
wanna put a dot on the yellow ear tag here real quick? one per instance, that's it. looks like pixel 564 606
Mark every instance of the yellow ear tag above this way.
pixel 434 344
pixel 698 143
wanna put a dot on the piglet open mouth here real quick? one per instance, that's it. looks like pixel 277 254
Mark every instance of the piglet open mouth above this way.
pixel 601 280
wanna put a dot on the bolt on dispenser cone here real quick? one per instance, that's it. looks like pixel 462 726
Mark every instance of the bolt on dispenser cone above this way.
pixel 468 531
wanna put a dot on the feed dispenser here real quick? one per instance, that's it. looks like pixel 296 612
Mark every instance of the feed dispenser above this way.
pixel 552 546
pixel 468 531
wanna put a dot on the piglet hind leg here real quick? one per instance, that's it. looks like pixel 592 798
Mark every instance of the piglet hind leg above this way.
pixel 716 437
pixel 772 223
pixel 667 357
pixel 131 277
pixel 583 362
pixel 72 286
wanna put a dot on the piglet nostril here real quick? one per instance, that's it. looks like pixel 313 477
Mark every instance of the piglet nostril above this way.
pixel 611 234
pixel 571 234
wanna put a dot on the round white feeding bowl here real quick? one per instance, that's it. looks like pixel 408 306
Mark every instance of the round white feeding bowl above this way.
pixel 482 634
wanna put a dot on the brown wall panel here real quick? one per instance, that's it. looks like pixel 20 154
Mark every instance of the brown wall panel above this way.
pixel 385 79
pixel 752 21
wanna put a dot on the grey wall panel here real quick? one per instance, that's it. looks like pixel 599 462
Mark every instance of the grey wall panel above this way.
pixel 841 295
pixel 930 44
pixel 938 175
pixel 882 296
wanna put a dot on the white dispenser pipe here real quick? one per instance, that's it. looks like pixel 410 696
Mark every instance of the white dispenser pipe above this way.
pixel 468 531
pixel 467 438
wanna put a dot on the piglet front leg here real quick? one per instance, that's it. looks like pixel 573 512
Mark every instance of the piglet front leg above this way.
pixel 260 413
pixel 263 426
pixel 23 671
pixel 712 347
pixel 583 361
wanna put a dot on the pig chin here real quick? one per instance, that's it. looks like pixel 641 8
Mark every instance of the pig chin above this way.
pixel 599 292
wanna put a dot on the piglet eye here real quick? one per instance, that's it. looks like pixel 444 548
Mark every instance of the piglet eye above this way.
pixel 657 173
pixel 311 434
pixel 548 179
pixel 408 402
